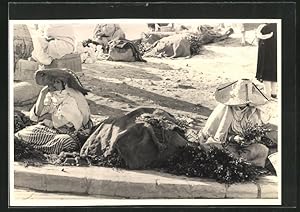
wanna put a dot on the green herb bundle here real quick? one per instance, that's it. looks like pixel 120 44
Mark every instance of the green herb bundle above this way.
pixel 212 162
pixel 254 133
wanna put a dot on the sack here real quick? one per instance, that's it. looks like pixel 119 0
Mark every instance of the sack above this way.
pixel 172 46
pixel 138 141
pixel 123 50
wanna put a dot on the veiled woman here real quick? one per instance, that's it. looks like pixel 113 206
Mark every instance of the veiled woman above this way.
pixel 61 111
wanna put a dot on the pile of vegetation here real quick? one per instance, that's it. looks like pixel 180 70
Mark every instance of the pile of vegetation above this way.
pixel 28 154
pixel 211 162
pixel 192 160
pixel 21 121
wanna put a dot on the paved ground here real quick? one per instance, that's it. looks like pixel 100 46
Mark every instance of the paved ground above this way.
pixel 27 194
pixel 29 197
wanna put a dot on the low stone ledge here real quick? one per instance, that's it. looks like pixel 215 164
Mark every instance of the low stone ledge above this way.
pixel 243 190
pixel 29 180
pixel 269 187
pixel 133 184
pixel 56 183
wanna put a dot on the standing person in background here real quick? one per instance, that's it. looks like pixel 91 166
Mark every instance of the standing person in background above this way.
pixel 237 28
pixel 267 57
pixel 243 32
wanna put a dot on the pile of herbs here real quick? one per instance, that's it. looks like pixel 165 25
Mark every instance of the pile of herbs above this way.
pixel 254 133
pixel 21 121
pixel 163 122
pixel 195 160
pixel 28 154
pixel 192 160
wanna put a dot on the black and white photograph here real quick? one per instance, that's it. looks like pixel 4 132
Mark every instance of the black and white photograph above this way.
pixel 114 112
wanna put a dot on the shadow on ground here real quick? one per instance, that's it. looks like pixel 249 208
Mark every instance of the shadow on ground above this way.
pixel 102 88
pixel 233 42
pixel 103 109
pixel 114 70
pixel 160 65
pixel 114 96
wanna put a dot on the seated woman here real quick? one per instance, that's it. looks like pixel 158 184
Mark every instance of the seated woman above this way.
pixel 51 42
pixel 61 111
pixel 239 109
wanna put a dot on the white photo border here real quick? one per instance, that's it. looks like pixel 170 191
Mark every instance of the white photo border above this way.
pixel 140 202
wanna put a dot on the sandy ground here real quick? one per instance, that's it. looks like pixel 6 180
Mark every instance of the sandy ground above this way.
pixel 184 87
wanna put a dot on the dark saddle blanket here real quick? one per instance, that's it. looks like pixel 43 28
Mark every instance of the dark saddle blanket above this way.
pixel 143 137
pixel 124 50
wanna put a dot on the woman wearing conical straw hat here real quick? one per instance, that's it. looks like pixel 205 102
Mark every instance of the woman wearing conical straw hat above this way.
pixel 61 111
pixel 238 109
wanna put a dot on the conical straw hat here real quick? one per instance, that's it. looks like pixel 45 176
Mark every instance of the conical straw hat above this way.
pixel 240 92
pixel 46 76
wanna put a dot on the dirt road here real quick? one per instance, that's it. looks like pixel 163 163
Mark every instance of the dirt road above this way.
pixel 184 87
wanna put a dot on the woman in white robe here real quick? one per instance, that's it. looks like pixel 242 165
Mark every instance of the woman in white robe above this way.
pixel 238 109
pixel 60 112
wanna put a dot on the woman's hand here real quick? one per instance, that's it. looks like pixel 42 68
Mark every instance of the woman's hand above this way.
pixel 40 101
pixel 44 90
pixel 238 139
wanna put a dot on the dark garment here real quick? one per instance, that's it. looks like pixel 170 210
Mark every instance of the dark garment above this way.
pixel 139 143
pixel 118 49
pixel 267 55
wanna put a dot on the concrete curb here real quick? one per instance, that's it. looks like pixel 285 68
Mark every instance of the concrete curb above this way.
pixel 134 184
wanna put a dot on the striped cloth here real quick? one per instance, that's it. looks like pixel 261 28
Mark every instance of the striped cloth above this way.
pixel 48 140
